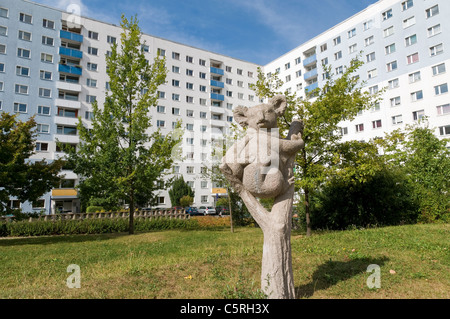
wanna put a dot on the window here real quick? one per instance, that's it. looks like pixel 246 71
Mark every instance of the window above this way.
pixel 443 109
pixel 175 97
pixel 70 96
pixel 190 169
pixel 43 128
pixel 161 52
pixel 4 12
pixel 160 123
pixel 189 72
pixel 41 147
pixel 189 127
pixel 22 71
pixel 49 24
pixel 376 107
pixel 23 53
pixel 431 12
pixel 343 131
pixel 161 95
pixel 298 73
pixel 2 67
pixel 3 31
pixel 409 22
pixel 390 49
pixel 203 115
pixel 202 62
pixel 20 108
pixel 416 96
pixel 414 77
pixel 45 57
pixel 351 33
pixel 288 78
pixel 23 35
pixel 43 110
pixel 239 71
pixel 90 99
pixel 367 25
pixel 175 55
pixel 387 14
pixel 202 75
pixel 438 69
pixel 359 128
pixel 373 89
pixel 340 70
pixel 391 66
pixel 388 32
pixel 21 89
pixel 204 199
pixel 434 30
pixel 444 130
pixel 407 4
pixel 2 86
pixel 437 49
pixel 47 93
pixel 323 48
pixel 368 41
pixel 93 35
pixel 338 55
pixel 175 111
pixel 370 57
pixel 189 113
pixel 67 112
pixel 175 69
pixel 376 124
pixel 92 51
pixel 287 66
pixel 418 115
pixel 352 48
pixel 160 109
pixel 337 40
pixel 202 88
pixel 2 49
pixel 45 75
pixel 47 40
pixel 111 39
pixel 189 59
pixel 395 101
pixel 411 40
pixel 92 66
pixel 26 18
pixel 298 60
pixel 393 83
pixel 413 58
pixel 441 89
pixel 397 119
pixel 176 83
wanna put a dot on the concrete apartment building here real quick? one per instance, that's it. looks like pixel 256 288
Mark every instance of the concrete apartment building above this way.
pixel 52 65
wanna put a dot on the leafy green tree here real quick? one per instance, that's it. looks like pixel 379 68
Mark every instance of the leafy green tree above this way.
pixel 20 177
pixel 340 99
pixel 425 160
pixel 179 189
pixel 119 160
pixel 186 201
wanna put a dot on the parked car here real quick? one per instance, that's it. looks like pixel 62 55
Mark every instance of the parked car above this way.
pixel 193 211
pixel 222 210
pixel 178 208
pixel 207 210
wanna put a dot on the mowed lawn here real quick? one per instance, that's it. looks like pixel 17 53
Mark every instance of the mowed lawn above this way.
pixel 414 262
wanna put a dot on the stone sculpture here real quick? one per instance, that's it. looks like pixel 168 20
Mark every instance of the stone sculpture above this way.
pixel 260 165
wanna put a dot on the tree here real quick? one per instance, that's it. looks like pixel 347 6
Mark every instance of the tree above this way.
pixel 425 160
pixel 186 201
pixel 340 99
pixel 20 177
pixel 118 159
pixel 180 189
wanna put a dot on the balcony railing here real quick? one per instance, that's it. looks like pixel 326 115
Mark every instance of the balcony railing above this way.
pixel 310 60
pixel 217 71
pixel 71 36
pixel 70 69
pixel 310 74
pixel 71 52
pixel 312 87
pixel 217 84
pixel 216 96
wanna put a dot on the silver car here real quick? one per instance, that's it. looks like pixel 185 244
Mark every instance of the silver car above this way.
pixel 207 210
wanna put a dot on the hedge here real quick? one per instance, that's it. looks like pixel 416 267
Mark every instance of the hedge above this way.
pixel 92 226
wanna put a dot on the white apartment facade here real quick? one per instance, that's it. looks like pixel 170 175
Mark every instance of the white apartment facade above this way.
pixel 52 66
pixel 405 48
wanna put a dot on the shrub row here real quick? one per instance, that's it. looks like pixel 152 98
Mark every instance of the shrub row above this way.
pixel 92 226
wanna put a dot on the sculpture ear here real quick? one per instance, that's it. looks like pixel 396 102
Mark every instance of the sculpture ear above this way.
pixel 240 115
pixel 279 103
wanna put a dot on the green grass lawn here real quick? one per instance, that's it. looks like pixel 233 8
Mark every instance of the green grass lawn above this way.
pixel 414 261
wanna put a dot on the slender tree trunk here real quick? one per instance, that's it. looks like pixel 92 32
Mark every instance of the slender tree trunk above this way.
pixel 231 213
pixel 307 211
pixel 131 224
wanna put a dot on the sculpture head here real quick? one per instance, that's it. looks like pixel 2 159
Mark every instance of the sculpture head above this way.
pixel 262 115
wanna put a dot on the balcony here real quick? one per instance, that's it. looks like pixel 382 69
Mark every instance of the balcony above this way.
pixel 311 74
pixel 61 120
pixel 71 36
pixel 75 70
pixel 218 123
pixel 216 96
pixel 312 87
pixel 217 84
pixel 217 71
pixel 68 104
pixel 67 86
pixel 310 60
pixel 71 52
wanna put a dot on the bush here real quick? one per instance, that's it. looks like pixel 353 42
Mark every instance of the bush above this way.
pixel 94 209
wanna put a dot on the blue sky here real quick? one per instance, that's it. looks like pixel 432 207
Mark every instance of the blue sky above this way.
pixel 257 31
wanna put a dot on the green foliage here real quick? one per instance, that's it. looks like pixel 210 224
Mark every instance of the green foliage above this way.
pixel 186 201
pixel 19 177
pixel 425 160
pixel 118 160
pixel 94 209
pixel 179 189
pixel 383 199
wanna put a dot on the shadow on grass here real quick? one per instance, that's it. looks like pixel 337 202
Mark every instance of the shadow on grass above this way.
pixel 332 272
